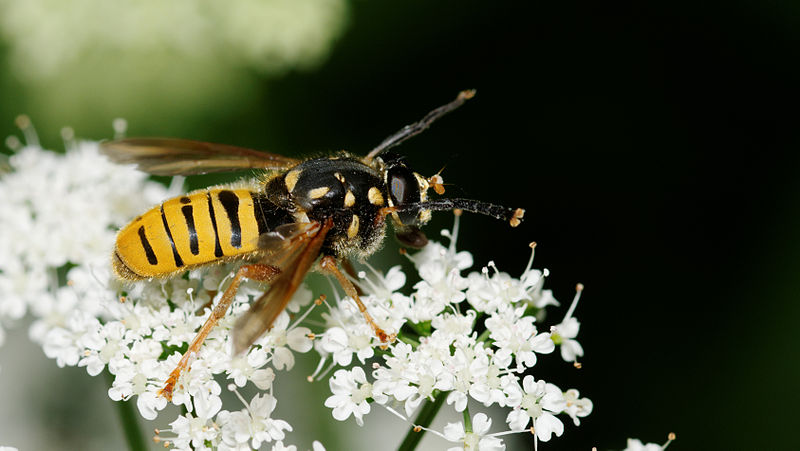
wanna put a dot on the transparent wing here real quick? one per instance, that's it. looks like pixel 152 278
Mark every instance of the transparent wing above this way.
pixel 169 156
pixel 295 260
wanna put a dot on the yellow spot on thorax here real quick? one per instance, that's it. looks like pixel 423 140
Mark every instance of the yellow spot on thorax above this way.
pixel 349 199
pixel 291 179
pixel 352 231
pixel 375 197
pixel 316 193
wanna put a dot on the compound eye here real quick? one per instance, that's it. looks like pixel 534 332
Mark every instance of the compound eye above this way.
pixel 404 189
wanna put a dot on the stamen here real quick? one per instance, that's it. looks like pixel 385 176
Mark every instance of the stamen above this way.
pixel 176 185
pixel 166 440
pixel 670 438
pixel 120 126
pixel 327 370
pixel 417 428
pixel 13 143
pixel 97 278
pixel 578 291
pixel 23 122
pixel 312 377
pixel 377 273
pixel 528 267
pixel 222 282
pixel 335 293
pixel 232 387
pixel 304 315
pixel 402 417
pixel 454 235
pixel 68 135
pixel 500 434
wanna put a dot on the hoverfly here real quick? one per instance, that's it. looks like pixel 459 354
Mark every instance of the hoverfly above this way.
pixel 325 209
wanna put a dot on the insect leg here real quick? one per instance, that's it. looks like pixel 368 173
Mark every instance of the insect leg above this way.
pixel 347 265
pixel 329 265
pixel 262 273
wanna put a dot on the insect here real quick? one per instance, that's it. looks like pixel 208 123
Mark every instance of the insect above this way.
pixel 299 213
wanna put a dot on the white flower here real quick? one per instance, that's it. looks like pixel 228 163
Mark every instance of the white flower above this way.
pixel 488 294
pixel 350 393
pixel 538 401
pixel 519 337
pixel 478 439
pixel 384 287
pixel 348 334
pixel 283 342
pixel 635 444
pixel 487 386
pixel 577 407
pixel 252 424
pixel 249 367
pixel 564 333
pixel 442 283
pixel 193 432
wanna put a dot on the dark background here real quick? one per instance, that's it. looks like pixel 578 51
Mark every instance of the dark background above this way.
pixel 654 147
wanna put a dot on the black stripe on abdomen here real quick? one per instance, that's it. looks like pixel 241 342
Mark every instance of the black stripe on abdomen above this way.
pixel 178 259
pixel 217 247
pixel 230 201
pixel 188 215
pixel 148 250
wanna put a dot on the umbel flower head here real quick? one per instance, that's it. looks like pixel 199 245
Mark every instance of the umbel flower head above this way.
pixel 469 339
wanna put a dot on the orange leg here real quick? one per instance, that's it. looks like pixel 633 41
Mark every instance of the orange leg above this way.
pixel 329 264
pixel 347 265
pixel 262 273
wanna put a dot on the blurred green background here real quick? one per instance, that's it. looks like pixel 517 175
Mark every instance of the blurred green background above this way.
pixel 654 146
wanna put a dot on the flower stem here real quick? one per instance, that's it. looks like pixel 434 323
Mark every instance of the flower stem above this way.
pixel 484 336
pixel 408 340
pixel 467 420
pixel 129 420
pixel 424 419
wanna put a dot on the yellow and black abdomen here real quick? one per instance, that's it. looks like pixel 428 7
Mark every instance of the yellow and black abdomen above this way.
pixel 185 232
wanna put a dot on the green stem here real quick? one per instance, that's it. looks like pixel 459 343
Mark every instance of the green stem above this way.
pixel 467 420
pixel 484 336
pixel 129 420
pixel 424 419
pixel 418 329
pixel 408 340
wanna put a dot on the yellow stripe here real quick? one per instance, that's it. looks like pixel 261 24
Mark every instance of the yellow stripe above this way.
pixel 132 253
pixel 247 223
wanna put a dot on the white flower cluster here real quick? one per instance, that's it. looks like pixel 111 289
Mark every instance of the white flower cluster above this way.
pixel 463 337
pixel 60 211
pixel 470 339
